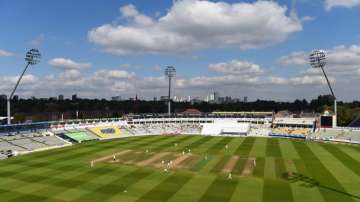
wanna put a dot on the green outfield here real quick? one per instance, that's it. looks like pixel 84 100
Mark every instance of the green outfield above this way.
pixel 262 169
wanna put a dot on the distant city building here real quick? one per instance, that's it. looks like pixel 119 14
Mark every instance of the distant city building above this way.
pixel 245 99
pixel 179 99
pixel 214 97
pixel 61 97
pixel 195 101
pixel 74 97
pixel 155 99
pixel 3 97
pixel 116 98
pixel 206 99
pixel 164 98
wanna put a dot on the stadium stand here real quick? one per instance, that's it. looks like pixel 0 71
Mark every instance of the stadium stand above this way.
pixel 291 131
pixel 225 128
pixel 158 129
pixel 19 139
pixel 79 136
pixel 355 123
pixel 25 143
pixel 127 130
pixel 259 130
pixel 3 156
pixel 339 135
pixel 107 132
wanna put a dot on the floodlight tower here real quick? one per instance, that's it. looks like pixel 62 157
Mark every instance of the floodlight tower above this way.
pixel 32 58
pixel 318 60
pixel 170 72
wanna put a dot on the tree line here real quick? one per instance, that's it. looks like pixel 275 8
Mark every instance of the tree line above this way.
pixel 51 110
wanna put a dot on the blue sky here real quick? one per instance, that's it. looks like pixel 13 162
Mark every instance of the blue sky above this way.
pixel 106 48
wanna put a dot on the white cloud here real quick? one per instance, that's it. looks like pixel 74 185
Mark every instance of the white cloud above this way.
pixel 193 24
pixel 38 41
pixel 67 64
pixel 295 58
pixel 341 60
pixel 248 80
pixel 71 74
pixel 329 4
pixel 104 85
pixel 308 80
pixel 113 74
pixel 237 67
pixel 4 53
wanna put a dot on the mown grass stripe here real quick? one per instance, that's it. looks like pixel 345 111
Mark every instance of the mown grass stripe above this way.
pixel 245 147
pixel 280 168
pixel 277 190
pixel 88 152
pixel 344 158
pixel 118 185
pixel 273 147
pixel 239 166
pixel 221 189
pixel 174 140
pixel 90 146
pixel 201 163
pixel 259 168
pixel 220 164
pixel 166 189
pixel 29 198
pixel 329 187
pixel 56 163
pixel 200 142
pixel 220 145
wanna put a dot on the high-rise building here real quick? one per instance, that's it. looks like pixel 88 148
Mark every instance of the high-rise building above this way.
pixel 61 97
pixel 3 97
pixel 74 97
pixel 245 99
pixel 214 97
pixel 116 98
pixel 164 98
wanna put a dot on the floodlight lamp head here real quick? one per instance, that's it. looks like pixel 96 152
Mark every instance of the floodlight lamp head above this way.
pixel 170 71
pixel 318 58
pixel 33 57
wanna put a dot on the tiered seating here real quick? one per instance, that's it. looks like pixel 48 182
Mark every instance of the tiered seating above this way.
pixel 259 130
pixel 3 156
pixel 127 131
pixel 291 131
pixel 80 136
pixel 352 135
pixel 169 128
pixel 326 134
pixel 337 135
pixel 29 142
pixel 5 146
pixel 107 132
pixel 49 140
